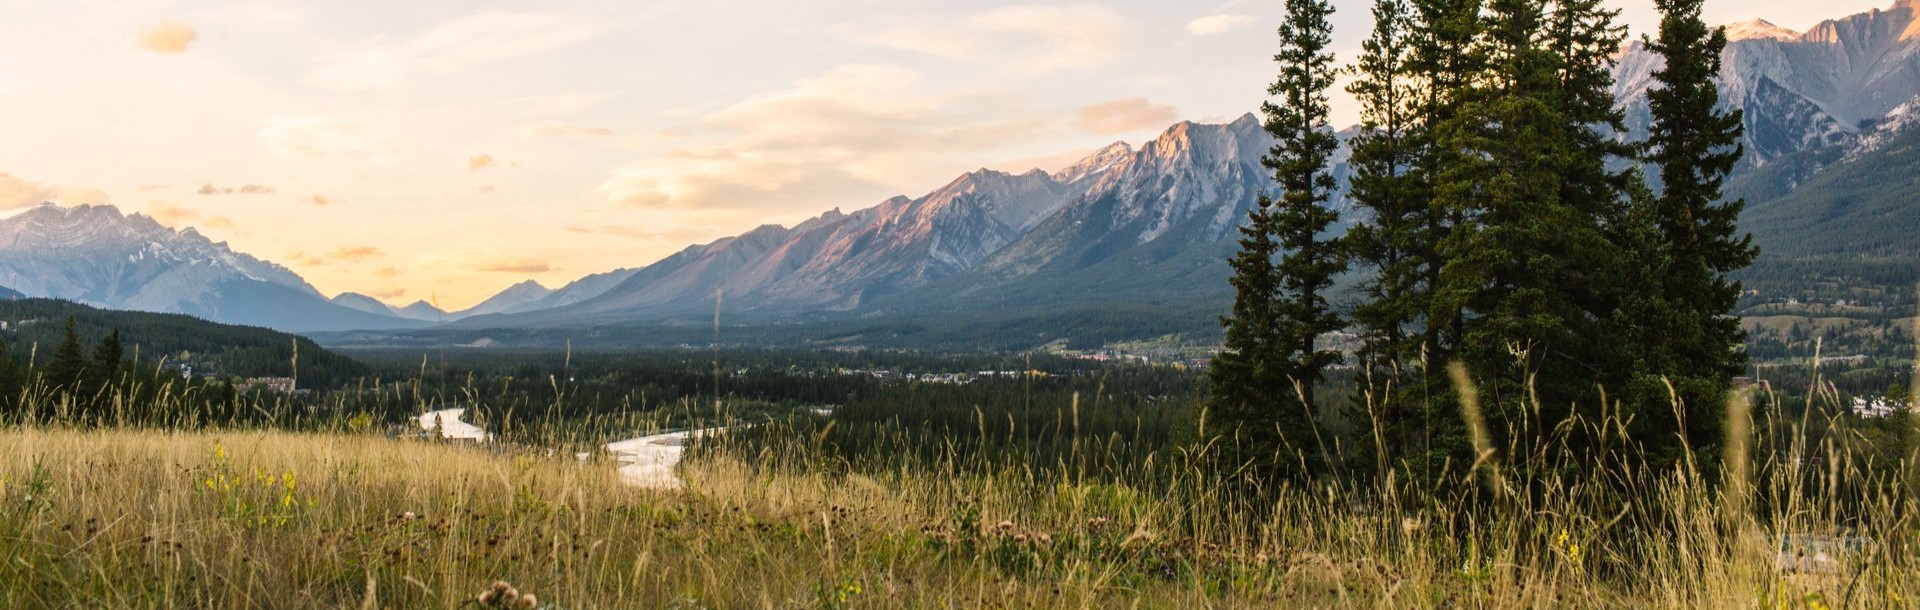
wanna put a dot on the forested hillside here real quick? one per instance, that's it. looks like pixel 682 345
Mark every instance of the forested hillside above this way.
pixel 35 326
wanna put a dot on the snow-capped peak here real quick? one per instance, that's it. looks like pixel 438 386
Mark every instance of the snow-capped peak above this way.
pixel 1760 29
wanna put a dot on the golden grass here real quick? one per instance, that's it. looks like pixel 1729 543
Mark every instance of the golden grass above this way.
pixel 153 519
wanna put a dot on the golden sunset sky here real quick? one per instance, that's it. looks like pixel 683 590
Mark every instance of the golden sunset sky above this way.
pixel 445 149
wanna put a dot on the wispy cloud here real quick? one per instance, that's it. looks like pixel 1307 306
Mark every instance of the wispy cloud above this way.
pixel 856 128
pixel 18 193
pixel 524 265
pixel 1125 115
pixel 479 162
pixel 355 253
pixel 315 137
pixel 1218 24
pixel 683 235
pixel 317 201
pixel 175 216
pixel 450 46
pixel 562 129
pixel 245 189
pixel 1029 39
pixel 168 37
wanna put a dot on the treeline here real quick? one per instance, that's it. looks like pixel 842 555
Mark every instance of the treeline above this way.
pixel 96 383
pixel 1579 281
pixel 36 326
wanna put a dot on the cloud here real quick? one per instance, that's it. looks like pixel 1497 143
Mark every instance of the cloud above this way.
pixel 450 46
pixel 560 129
pixel 302 259
pixel 69 195
pixel 177 217
pixel 316 137
pixel 524 265
pixel 317 201
pixel 484 190
pixel 1218 24
pixel 676 236
pixel 16 193
pixel 168 37
pixel 479 162
pixel 388 272
pixel 169 214
pixel 1029 39
pixel 149 188
pixel 355 253
pixel 246 189
pixel 1125 115
pixel 856 129
pixel 387 293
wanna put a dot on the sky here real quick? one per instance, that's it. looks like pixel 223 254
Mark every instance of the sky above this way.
pixel 442 150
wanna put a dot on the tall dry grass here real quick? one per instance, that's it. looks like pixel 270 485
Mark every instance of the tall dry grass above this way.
pixel 227 518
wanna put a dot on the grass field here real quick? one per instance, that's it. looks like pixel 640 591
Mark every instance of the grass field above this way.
pixel 250 519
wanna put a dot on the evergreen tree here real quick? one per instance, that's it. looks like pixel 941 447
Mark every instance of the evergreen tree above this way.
pixel 107 358
pixel 12 379
pixel 1264 380
pixel 1301 218
pixel 1242 375
pixel 1385 155
pixel 68 368
pixel 1529 258
pixel 1693 145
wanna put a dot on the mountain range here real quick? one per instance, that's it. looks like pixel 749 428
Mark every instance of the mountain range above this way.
pixel 1139 229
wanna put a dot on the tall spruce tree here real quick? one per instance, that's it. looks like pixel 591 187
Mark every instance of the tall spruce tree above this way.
pixel 1529 254
pixel 1264 379
pixel 68 368
pixel 1445 60
pixel 1693 145
pixel 1243 375
pixel 1301 161
pixel 1386 152
pixel 12 379
pixel 106 359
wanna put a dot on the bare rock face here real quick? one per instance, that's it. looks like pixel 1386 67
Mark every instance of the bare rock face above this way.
pixel 1801 91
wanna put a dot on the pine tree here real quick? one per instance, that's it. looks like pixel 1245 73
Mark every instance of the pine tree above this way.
pixel 1386 153
pixel 68 368
pixel 11 382
pixel 1529 257
pixel 1694 146
pixel 106 359
pixel 1300 162
pixel 1264 379
pixel 1242 374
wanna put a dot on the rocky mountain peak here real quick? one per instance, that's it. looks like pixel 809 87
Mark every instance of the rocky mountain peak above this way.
pixel 1761 29
pixel 1099 162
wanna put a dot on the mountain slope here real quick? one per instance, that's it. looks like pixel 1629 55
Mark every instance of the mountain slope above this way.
pixel 95 255
pixel 514 296
pixel 361 302
pixel 1800 91
pixel 835 262
pixel 9 294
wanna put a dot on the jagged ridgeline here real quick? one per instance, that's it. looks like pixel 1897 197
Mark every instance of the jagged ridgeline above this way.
pixel 208 348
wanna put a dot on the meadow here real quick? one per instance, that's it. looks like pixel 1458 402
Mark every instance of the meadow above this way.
pixel 781 515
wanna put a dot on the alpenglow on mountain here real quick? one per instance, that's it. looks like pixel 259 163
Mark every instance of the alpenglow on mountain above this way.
pixel 1133 233
pixel 1151 227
